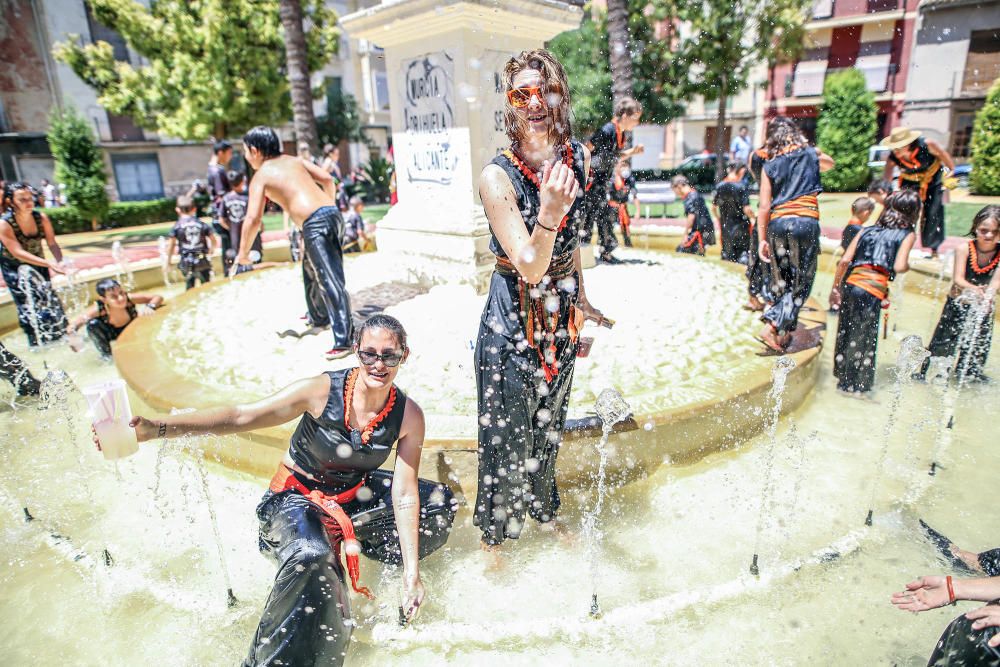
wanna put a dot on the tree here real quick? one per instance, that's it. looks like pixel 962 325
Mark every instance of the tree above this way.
pixel 210 68
pixel 985 177
pixel 341 122
pixel 584 53
pixel 727 40
pixel 619 49
pixel 296 57
pixel 79 163
pixel 846 129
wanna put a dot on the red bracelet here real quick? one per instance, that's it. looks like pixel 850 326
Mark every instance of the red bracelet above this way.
pixel 951 591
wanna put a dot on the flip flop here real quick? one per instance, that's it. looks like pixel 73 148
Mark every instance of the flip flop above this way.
pixel 337 353
pixel 289 332
pixel 943 545
pixel 769 351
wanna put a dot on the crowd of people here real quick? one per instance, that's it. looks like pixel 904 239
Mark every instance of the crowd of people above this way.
pixel 543 195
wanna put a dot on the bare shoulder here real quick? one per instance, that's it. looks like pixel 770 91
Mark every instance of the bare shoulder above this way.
pixel 413 416
pixel 494 180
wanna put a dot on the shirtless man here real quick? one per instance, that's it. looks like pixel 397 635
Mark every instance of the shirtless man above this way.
pixel 307 193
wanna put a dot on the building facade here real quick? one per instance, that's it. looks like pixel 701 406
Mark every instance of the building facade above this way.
pixel 956 58
pixel 874 36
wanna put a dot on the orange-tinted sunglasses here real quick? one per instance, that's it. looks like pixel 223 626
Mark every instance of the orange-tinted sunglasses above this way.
pixel 521 97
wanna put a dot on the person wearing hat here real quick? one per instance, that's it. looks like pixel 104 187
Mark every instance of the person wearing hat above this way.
pixel 920 161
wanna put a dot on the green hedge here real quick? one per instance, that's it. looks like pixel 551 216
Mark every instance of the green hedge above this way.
pixel 701 178
pixel 67 219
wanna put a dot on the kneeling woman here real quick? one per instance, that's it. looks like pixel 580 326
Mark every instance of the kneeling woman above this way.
pixel 874 258
pixel 976 272
pixel 328 493
pixel 536 305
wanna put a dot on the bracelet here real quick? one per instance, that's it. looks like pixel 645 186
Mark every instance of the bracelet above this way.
pixel 550 229
pixel 162 431
pixel 951 591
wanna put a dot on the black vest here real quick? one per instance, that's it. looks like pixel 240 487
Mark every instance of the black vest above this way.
pixel 878 246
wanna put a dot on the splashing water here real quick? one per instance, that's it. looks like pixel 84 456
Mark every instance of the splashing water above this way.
pixel 910 359
pixel 779 377
pixel 980 307
pixel 944 273
pixel 611 408
pixel 27 280
pixel 199 463
pixel 124 271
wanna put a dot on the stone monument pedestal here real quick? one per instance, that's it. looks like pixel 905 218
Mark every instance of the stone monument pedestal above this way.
pixel 444 60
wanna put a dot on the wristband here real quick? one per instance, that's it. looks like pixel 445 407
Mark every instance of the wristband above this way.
pixel 550 229
pixel 951 591
pixel 162 432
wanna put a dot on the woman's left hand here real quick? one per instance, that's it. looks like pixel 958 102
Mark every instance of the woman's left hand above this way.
pixel 585 311
pixel 413 596
pixel 986 617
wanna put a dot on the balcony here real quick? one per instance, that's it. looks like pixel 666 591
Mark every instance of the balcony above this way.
pixel 825 9
pixel 809 77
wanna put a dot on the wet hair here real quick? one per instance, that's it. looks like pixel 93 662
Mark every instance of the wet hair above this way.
pixel 104 286
pixel 902 210
pixel 235 178
pixel 862 205
pixel 556 87
pixel 986 213
pixel 328 148
pixel 744 127
pixel 185 203
pixel 220 146
pixel 679 181
pixel 381 321
pixel 8 194
pixel 354 201
pixel 735 166
pixel 879 186
pixel 783 135
pixel 264 139
pixel 627 106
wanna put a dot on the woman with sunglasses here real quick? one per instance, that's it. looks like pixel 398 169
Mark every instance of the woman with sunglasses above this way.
pixel 536 305
pixel 329 493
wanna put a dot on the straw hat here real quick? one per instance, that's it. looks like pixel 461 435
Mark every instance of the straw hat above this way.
pixel 900 138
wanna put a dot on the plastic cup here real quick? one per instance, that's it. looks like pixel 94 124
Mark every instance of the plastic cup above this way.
pixel 110 414
pixel 586 342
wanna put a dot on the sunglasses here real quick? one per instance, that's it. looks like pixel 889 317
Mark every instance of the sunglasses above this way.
pixel 390 359
pixel 521 97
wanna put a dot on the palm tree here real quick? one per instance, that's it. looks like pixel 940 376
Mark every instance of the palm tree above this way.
pixel 298 72
pixel 620 50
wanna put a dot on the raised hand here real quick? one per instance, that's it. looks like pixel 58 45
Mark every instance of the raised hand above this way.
pixel 922 594
pixel 557 193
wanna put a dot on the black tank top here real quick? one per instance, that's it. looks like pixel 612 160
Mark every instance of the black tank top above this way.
pixel 32 244
pixel 529 203
pixel 976 273
pixel 878 246
pixel 102 314
pixel 336 457
pixel 918 159
pixel 793 174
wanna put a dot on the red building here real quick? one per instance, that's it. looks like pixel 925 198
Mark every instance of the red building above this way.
pixel 874 36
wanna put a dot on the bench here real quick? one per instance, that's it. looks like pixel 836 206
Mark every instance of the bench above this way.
pixel 654 192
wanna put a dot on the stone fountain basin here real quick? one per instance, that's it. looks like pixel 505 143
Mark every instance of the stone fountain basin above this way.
pixel 678 415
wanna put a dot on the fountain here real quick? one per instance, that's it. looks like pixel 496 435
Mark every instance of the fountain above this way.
pixel 612 409
pixel 124 268
pixel 45 312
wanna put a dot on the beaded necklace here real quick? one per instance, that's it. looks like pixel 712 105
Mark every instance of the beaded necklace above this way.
pixel 532 176
pixel 974 260
pixel 366 432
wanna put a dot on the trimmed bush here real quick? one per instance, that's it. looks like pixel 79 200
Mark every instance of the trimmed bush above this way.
pixel 846 129
pixel 985 177
pixel 68 219
pixel 79 163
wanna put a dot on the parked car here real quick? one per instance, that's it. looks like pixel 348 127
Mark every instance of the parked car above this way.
pixel 962 173
pixel 877 156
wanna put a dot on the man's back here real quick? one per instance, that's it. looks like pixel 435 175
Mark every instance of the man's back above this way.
pixel 292 186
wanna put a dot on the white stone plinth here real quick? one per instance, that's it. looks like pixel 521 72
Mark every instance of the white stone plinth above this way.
pixel 444 60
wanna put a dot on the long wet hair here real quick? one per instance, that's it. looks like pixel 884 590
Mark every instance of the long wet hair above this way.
pixel 783 135
pixel 902 210
pixel 8 194
pixel 556 94
pixel 990 212
pixel 382 321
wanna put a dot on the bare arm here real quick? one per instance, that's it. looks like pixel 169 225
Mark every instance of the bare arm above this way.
pixel 826 162
pixel 252 221
pixel 14 248
pixel 324 178
pixel 763 215
pixel 940 153
pixel 406 503
pixel 170 248
pixel 309 395
pixel 958 271
pixel 902 263
pixel 152 300
pixel 82 319
pixel 50 238
pixel 845 262
pixel 748 212
pixel 887 170
pixel 932 592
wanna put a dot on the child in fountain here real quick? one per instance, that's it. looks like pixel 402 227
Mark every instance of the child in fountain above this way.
pixel 528 333
pixel 233 211
pixel 113 310
pixel 975 278
pixel 195 242
pixel 732 207
pixel 700 230
pixel 879 190
pixel 329 495
pixel 24 268
pixel 874 258
pixel 788 226
pixel 355 239
pixel 307 192
pixel 861 210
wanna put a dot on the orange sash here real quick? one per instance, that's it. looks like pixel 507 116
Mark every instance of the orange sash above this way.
pixel 334 518
pixel 872 279
pixel 805 206
pixel 924 177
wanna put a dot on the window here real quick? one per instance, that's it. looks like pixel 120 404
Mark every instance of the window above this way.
pixel 333 86
pixel 137 176
pixel 823 9
pixel 982 66
pixel 381 92
pixel 961 134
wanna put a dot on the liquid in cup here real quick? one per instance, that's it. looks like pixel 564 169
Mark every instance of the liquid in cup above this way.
pixel 110 415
